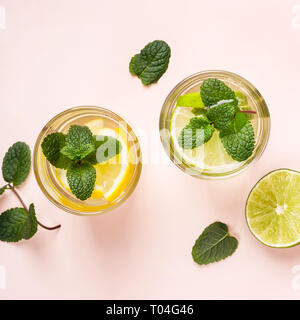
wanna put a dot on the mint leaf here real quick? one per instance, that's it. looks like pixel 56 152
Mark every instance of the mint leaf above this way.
pixel 152 62
pixel 17 224
pixel 198 131
pixel 190 100
pixel 81 179
pixel 214 244
pixel 213 91
pixel 238 138
pixel 51 147
pixel 79 143
pixel 16 163
pixel 221 114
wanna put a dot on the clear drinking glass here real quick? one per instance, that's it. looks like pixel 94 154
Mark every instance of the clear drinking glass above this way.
pixel 48 179
pixel 260 122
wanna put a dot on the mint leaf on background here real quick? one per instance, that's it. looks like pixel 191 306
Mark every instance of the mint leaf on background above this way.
pixel 198 131
pixel 213 91
pixel 16 163
pixel 190 100
pixel 79 143
pixel 17 224
pixel 238 138
pixel 221 114
pixel 81 179
pixel 152 62
pixel 214 244
pixel 51 147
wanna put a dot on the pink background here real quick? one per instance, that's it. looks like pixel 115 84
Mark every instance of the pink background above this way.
pixel 55 54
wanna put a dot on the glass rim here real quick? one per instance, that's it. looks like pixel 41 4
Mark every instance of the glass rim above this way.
pixel 130 186
pixel 186 84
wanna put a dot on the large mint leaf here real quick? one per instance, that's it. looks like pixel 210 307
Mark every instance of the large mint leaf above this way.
pixel 238 138
pixel 17 224
pixel 51 147
pixel 81 179
pixel 198 131
pixel 16 163
pixel 214 244
pixel 214 90
pixel 221 114
pixel 152 62
pixel 79 143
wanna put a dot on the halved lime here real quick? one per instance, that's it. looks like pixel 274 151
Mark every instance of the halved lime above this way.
pixel 273 209
pixel 209 156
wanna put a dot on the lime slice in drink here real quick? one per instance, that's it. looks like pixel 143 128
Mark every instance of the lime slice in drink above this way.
pixel 273 209
pixel 209 156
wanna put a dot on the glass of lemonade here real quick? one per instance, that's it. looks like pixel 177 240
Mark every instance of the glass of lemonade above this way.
pixel 116 178
pixel 210 160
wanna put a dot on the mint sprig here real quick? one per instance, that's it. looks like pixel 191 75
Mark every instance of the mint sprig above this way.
pixel 77 152
pixel 222 112
pixel 152 62
pixel 214 244
pixel 18 223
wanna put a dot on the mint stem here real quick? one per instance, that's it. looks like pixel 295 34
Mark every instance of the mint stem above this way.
pixel 12 188
pixel 248 111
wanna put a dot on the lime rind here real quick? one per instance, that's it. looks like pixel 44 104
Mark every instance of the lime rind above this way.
pixel 273 209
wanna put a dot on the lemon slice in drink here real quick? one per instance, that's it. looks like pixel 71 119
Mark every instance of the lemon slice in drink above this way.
pixel 209 156
pixel 273 209
pixel 112 176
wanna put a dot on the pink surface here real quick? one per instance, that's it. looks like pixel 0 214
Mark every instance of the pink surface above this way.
pixel 55 54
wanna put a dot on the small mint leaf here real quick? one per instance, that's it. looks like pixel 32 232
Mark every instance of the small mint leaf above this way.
pixel 16 163
pixel 214 244
pixel 190 100
pixel 51 147
pixel 81 179
pixel 238 138
pixel 17 224
pixel 152 62
pixel 198 131
pixel 221 114
pixel 213 91
pixel 79 143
